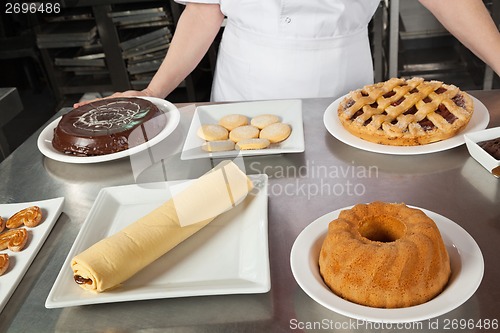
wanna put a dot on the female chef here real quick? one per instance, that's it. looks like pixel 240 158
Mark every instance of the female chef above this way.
pixel 295 48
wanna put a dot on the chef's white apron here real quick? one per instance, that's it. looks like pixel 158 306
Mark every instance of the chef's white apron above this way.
pixel 279 49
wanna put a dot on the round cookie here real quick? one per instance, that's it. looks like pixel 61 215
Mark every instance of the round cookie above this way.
pixel 276 132
pixel 231 121
pixel 219 145
pixel 264 120
pixel 212 132
pixel 251 144
pixel 244 132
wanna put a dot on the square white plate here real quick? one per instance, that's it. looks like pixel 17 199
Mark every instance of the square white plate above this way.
pixel 290 112
pixel 21 261
pixel 228 256
pixel 479 154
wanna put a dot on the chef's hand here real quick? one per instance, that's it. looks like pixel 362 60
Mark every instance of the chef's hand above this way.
pixel 129 93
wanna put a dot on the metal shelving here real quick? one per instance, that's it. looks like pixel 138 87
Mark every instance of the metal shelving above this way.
pixel 107 54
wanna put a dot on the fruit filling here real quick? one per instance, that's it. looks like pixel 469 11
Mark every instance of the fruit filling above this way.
pixel 426 124
pixel 446 114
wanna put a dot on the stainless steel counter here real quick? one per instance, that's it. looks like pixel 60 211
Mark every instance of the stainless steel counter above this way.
pixel 449 183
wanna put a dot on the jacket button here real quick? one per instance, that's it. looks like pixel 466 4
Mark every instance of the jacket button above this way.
pixel 288 19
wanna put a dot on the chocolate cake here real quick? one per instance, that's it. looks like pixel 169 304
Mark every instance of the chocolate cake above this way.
pixel 104 127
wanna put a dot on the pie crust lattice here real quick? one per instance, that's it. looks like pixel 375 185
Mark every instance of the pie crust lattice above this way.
pixel 403 112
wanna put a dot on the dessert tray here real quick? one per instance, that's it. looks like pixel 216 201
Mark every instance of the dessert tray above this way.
pixel 290 112
pixel 479 121
pixel 228 256
pixel 45 138
pixel 467 268
pixel 21 261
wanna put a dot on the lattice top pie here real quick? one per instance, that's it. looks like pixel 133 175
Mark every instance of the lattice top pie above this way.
pixel 402 112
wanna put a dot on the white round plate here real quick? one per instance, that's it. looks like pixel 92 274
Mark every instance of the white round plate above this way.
pixel 467 267
pixel 45 138
pixel 479 121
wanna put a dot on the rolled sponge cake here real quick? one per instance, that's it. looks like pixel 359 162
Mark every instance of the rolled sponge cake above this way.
pixel 118 257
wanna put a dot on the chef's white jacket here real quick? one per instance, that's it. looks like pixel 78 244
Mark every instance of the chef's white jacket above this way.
pixel 277 49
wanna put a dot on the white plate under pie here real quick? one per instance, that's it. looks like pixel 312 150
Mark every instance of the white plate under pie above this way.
pixel 479 121
pixel 467 268
pixel 228 256
pixel 290 112
pixel 21 261
pixel 45 138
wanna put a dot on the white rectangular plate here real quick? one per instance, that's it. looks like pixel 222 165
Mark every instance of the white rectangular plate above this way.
pixel 290 112
pixel 228 256
pixel 21 261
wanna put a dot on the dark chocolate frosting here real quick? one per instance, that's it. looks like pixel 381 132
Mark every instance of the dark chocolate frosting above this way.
pixel 492 147
pixel 105 126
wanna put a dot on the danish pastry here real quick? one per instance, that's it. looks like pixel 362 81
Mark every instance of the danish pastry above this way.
pixel 14 239
pixel 402 112
pixel 4 263
pixel 2 224
pixel 30 217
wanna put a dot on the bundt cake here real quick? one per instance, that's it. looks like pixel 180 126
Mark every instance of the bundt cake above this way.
pixel 384 255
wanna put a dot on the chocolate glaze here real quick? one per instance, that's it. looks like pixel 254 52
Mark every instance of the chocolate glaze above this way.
pixel 104 127
pixel 492 147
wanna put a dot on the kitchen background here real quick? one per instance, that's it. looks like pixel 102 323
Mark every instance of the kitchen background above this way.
pixel 91 48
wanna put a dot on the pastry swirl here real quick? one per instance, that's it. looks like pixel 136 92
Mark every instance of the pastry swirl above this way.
pixel 30 217
pixel 115 259
pixel 4 263
pixel 14 239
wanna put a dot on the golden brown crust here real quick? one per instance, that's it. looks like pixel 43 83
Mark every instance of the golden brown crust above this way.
pixel 402 112
pixel 30 217
pixel 384 255
pixel 14 239
pixel 2 224
pixel 4 263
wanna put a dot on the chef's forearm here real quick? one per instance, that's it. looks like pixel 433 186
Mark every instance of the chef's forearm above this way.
pixel 470 22
pixel 195 32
